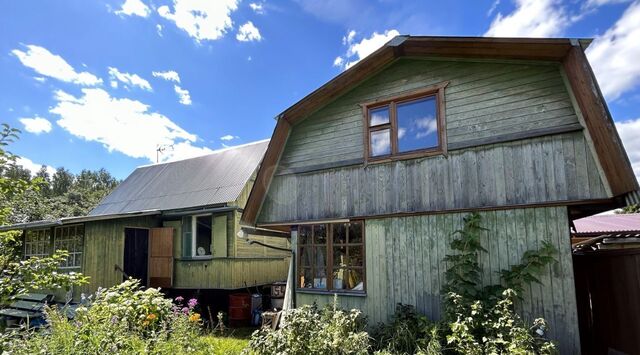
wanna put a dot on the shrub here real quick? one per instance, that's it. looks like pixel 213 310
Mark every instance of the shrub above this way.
pixel 408 333
pixel 308 330
pixel 123 320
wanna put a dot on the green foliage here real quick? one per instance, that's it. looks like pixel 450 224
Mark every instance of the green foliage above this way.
pixel 307 330
pixel 532 265
pixel 19 276
pixel 408 333
pixel 635 208
pixel 124 319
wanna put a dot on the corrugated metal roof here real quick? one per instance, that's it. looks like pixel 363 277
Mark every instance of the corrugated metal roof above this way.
pixel 212 179
pixel 608 223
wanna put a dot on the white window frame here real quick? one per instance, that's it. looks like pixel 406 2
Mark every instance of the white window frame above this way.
pixel 47 241
pixel 194 237
pixel 76 254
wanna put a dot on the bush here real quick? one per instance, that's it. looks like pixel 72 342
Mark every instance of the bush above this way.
pixel 307 330
pixel 123 320
pixel 408 333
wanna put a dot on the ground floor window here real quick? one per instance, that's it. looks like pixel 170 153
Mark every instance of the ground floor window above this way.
pixel 71 239
pixel 331 257
pixel 202 235
pixel 37 243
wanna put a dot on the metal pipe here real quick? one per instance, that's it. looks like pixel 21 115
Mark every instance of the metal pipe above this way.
pixel 205 210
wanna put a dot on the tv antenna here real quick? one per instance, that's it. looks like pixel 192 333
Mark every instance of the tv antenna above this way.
pixel 160 149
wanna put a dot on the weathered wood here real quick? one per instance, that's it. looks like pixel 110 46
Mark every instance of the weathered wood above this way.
pixel 408 266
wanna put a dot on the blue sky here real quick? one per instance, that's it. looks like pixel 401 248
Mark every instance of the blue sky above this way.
pixel 102 83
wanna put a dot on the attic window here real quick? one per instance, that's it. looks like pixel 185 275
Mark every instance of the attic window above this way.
pixel 406 126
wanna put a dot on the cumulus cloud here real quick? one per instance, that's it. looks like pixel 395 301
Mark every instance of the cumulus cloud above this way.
pixel 248 32
pixel 183 95
pixel 629 132
pixel 228 137
pixel 53 66
pixel 614 55
pixel 36 125
pixel 169 75
pixel 34 167
pixel 356 51
pixel 128 79
pixel 531 18
pixel 134 7
pixel 202 20
pixel 116 123
pixel 258 8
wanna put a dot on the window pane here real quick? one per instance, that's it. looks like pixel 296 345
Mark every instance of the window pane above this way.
pixel 354 280
pixel 378 116
pixel 320 279
pixel 320 258
pixel 339 277
pixel 203 235
pixel 355 232
pixel 306 256
pixel 305 279
pixel 339 256
pixel 355 256
pixel 380 143
pixel 320 234
pixel 304 235
pixel 417 125
pixel 339 233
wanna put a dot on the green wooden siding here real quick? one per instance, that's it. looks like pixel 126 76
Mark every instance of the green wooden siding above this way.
pixel 536 170
pixel 404 265
pixel 482 100
pixel 104 248
pixel 229 273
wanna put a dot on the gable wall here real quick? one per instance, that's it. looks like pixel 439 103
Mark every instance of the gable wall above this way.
pixel 483 100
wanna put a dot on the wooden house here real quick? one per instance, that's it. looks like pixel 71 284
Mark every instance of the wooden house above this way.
pixel 172 225
pixel 373 172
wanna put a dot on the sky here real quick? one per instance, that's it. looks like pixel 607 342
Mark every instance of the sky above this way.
pixel 104 84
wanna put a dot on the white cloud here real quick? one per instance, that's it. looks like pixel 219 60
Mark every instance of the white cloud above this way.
pixel 183 95
pixel 359 50
pixel 228 137
pixel 117 123
pixel 34 167
pixel 134 7
pixel 36 125
pixel 202 20
pixel 159 29
pixel 531 18
pixel 128 79
pixel 40 79
pixel 53 66
pixel 629 132
pixel 258 8
pixel 615 55
pixel 248 32
pixel 169 75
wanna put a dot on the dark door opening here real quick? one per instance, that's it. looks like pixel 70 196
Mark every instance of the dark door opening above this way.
pixel 136 253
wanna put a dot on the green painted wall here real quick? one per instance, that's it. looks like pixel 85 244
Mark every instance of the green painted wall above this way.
pixel 536 170
pixel 483 99
pixel 404 265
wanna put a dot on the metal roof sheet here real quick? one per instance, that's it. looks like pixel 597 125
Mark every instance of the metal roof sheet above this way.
pixel 608 223
pixel 212 179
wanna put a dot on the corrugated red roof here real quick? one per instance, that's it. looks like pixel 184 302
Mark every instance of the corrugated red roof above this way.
pixel 608 223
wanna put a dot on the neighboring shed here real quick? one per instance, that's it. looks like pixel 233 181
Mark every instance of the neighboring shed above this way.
pixel 172 225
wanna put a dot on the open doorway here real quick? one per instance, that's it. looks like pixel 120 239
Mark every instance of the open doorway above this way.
pixel 136 254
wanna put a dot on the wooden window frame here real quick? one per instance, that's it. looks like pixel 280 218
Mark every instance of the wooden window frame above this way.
pixel 77 255
pixel 329 259
pixel 436 91
pixel 194 236
pixel 46 232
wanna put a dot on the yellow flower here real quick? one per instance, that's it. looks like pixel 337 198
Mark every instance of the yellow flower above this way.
pixel 145 323
pixel 152 317
pixel 194 317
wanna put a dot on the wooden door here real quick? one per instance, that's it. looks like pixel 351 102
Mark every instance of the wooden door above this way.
pixel 161 257
pixel 136 250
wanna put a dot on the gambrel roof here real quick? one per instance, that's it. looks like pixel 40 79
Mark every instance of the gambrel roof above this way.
pixel 569 53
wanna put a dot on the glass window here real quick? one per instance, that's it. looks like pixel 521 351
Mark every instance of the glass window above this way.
pixel 71 239
pixel 36 243
pixel 202 235
pixel 405 125
pixel 331 257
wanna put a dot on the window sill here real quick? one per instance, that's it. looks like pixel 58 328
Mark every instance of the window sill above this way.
pixel 405 156
pixel 197 258
pixel 339 293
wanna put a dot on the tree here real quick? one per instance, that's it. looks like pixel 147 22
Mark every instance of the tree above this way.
pixel 19 276
pixel 629 209
pixel 62 181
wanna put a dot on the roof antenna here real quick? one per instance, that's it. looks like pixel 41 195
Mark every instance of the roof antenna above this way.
pixel 160 149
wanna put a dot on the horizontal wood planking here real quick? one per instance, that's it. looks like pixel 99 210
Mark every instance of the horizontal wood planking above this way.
pixel 483 99
pixel 229 273
pixel 536 170
pixel 408 267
